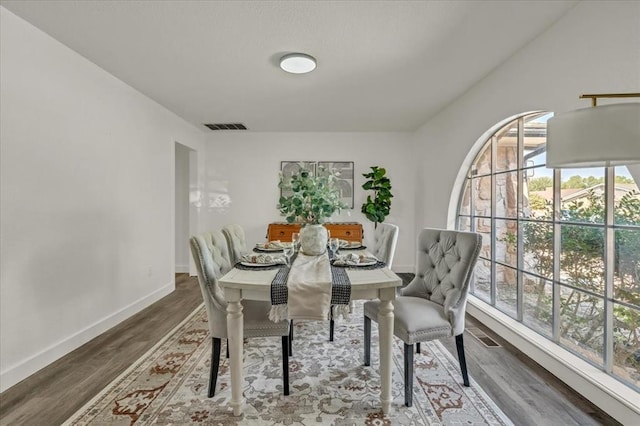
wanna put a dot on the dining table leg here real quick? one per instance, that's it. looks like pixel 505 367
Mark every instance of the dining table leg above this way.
pixel 235 337
pixel 385 330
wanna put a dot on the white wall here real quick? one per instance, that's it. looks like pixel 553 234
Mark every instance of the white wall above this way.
pixel 87 188
pixel 594 48
pixel 242 168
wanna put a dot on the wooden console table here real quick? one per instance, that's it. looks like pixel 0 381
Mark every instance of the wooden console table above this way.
pixel 349 231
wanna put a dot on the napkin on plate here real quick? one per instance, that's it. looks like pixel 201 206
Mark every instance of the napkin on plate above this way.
pixel 277 244
pixel 344 243
pixel 263 258
pixel 349 244
pixel 352 259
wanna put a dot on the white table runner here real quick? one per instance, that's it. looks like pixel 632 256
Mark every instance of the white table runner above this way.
pixel 309 290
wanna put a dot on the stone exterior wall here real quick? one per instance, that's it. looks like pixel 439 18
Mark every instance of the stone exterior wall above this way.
pixel 506 206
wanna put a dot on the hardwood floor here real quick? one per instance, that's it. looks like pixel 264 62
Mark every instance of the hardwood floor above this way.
pixel 526 392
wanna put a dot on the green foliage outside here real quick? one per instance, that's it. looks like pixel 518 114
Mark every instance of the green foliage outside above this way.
pixel 376 209
pixel 543 182
pixel 582 266
pixel 581 182
pixel 313 198
pixel 536 202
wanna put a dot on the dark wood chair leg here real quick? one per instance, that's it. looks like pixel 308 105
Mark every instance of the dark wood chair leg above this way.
pixel 408 375
pixel 291 338
pixel 216 344
pixel 332 323
pixel 462 359
pixel 367 341
pixel 285 364
pixel 227 348
pixel 418 347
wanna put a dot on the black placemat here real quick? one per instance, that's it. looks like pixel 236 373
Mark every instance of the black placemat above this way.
pixel 351 248
pixel 379 264
pixel 258 268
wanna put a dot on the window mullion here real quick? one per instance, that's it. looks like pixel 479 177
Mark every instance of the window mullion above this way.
pixel 557 242
pixel 519 213
pixel 472 222
pixel 609 244
pixel 494 156
pixel 472 203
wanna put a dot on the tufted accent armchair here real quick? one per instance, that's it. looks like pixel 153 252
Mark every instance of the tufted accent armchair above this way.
pixel 237 242
pixel 433 305
pixel 211 256
pixel 385 239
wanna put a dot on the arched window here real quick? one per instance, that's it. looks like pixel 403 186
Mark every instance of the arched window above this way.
pixel 561 248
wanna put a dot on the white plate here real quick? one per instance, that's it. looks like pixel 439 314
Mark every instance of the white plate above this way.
pixel 351 247
pixel 368 262
pixel 257 264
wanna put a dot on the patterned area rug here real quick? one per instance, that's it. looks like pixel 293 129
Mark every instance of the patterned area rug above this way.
pixel 329 384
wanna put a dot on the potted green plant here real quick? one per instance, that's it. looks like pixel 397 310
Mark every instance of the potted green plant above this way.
pixel 312 199
pixel 376 209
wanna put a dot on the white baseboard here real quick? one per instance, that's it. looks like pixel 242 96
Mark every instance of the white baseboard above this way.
pixel 27 367
pixel 180 269
pixel 619 401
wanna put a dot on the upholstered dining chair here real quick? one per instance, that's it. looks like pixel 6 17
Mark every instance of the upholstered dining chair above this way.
pixel 211 256
pixel 385 239
pixel 236 240
pixel 433 305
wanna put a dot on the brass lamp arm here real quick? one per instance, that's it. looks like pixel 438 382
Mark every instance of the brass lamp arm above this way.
pixel 594 97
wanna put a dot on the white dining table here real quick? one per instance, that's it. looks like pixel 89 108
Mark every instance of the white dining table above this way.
pixel 242 284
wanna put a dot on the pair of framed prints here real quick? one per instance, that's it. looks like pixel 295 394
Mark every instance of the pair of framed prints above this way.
pixel 344 168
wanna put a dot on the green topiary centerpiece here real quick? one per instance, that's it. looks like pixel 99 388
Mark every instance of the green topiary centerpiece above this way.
pixel 313 199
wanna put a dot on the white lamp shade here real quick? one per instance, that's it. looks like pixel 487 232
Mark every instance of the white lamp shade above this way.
pixel 600 136
pixel 298 63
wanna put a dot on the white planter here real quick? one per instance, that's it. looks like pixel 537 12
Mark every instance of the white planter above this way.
pixel 313 239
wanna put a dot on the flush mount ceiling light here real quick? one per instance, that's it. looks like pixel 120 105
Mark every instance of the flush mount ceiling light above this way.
pixel 298 63
pixel 601 136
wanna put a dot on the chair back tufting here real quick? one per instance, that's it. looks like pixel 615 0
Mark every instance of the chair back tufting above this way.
pixel 444 266
pixel 236 241
pixel 385 239
pixel 211 256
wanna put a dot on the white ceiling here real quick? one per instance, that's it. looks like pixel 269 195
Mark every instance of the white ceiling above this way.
pixel 382 65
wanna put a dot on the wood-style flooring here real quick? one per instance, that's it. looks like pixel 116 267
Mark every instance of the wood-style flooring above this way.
pixel 526 392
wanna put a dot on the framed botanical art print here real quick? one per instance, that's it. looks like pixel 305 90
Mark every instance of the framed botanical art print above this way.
pixel 345 178
pixel 288 168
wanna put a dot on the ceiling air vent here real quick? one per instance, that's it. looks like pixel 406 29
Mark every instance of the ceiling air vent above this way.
pixel 227 126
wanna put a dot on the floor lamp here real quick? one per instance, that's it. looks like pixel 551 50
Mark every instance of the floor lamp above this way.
pixel 600 136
